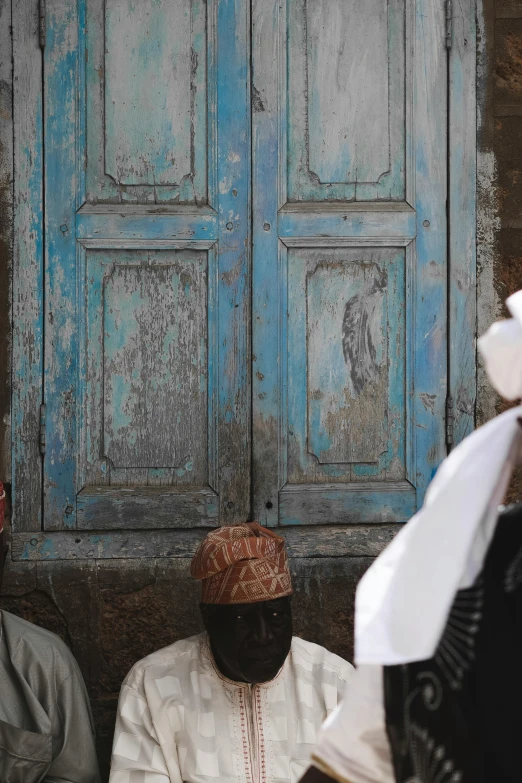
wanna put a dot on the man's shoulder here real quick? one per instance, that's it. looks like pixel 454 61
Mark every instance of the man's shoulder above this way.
pixel 169 660
pixel 31 643
pixel 320 658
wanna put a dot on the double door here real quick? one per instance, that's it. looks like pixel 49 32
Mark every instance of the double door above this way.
pixel 244 283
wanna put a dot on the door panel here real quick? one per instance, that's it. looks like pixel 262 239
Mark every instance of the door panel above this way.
pixel 147 367
pixel 346 401
pixel 350 345
pixel 346 100
pixel 147 95
pixel 147 309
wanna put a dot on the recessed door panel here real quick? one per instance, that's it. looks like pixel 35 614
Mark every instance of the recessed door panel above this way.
pixel 146 101
pixel 346 100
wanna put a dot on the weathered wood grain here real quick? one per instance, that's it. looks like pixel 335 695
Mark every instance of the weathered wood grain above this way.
pixel 125 508
pixel 6 238
pixel 147 345
pixel 233 391
pixel 429 301
pixel 462 216
pixel 338 429
pixel 347 379
pixel 61 202
pixel 146 368
pixel 148 91
pixel 336 541
pixel 382 222
pixel 146 101
pixel 355 503
pixel 155 362
pixel 27 267
pixel 268 319
pixel 147 223
pixel 325 228
pixel 348 99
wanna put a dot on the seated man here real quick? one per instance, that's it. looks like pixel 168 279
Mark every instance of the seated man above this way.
pixel 243 701
pixel 46 727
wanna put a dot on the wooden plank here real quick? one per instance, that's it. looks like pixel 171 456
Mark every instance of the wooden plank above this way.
pixel 429 317
pixel 123 508
pixel 462 219
pixel 6 238
pixel 382 223
pixel 338 541
pixel 268 166
pixel 232 114
pixel 61 339
pixel 147 223
pixel 27 267
pixel 334 541
pixel 357 504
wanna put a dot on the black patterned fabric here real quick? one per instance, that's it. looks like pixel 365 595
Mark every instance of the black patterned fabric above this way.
pixel 457 718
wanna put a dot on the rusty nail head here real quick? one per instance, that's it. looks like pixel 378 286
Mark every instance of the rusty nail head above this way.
pixel 426 223
pixel 69 510
pixel 266 226
pixel 230 505
pixel 230 226
pixel 234 193
pixel 63 228
pixel 33 541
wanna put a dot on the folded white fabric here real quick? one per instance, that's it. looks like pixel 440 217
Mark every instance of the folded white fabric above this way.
pixel 403 600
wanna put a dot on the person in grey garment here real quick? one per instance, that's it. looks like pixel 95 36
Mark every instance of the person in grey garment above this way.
pixel 46 726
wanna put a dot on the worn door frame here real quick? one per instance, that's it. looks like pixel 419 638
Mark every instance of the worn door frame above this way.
pixel 462 220
pixel 29 543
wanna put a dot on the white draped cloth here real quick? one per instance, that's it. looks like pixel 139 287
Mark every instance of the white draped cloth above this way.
pixel 404 599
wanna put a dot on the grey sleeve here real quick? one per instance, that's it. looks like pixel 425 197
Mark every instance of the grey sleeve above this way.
pixel 74 753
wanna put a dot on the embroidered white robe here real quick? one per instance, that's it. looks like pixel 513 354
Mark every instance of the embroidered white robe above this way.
pixel 179 719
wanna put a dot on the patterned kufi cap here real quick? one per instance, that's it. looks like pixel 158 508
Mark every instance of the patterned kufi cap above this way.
pixel 2 506
pixel 242 564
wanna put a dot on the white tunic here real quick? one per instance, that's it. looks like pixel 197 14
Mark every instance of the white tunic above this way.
pixel 179 719
pixel 353 745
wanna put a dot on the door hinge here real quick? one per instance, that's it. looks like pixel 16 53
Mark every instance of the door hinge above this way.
pixel 43 422
pixel 450 421
pixel 41 23
pixel 449 23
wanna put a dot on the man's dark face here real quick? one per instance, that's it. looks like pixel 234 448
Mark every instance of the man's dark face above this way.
pixel 250 642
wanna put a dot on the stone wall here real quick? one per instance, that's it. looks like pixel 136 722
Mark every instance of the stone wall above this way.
pixel 113 613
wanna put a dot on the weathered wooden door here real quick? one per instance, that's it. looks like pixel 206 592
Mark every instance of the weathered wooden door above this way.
pixel 349 264
pixel 146 364
pixel 153 196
